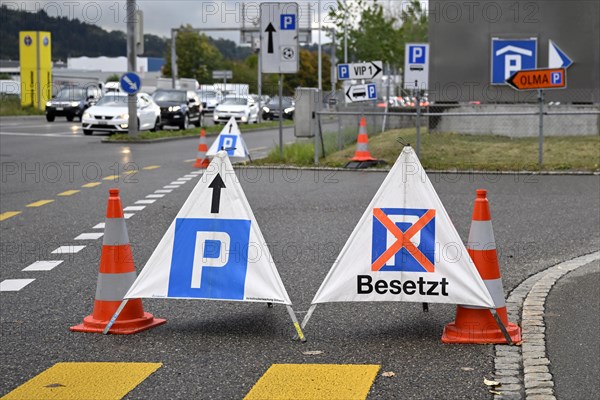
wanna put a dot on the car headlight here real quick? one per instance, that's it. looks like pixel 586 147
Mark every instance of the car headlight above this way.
pixel 87 115
pixel 288 110
pixel 74 103
pixel 123 116
pixel 49 104
pixel 266 109
pixel 174 108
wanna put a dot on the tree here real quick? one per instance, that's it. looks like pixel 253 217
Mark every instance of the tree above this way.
pixel 374 34
pixel 307 75
pixel 196 57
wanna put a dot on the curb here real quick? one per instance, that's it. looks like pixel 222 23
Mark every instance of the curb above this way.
pixel 525 367
pixel 433 171
pixel 171 138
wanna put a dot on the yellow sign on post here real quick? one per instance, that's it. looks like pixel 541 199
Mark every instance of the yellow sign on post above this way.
pixel 35 53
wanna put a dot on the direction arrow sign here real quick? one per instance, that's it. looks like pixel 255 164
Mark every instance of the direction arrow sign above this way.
pixel 279 51
pixel 367 70
pixel 556 57
pixel 130 82
pixel 357 93
pixel 550 78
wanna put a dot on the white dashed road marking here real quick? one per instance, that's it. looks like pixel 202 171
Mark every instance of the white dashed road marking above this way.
pixel 99 226
pixel 134 208
pixel 68 249
pixel 145 201
pixel 43 265
pixel 128 215
pixel 155 196
pixel 90 236
pixel 14 285
pixel 171 186
pixel 163 191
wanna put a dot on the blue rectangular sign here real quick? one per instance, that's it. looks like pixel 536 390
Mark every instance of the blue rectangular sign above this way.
pixel 510 56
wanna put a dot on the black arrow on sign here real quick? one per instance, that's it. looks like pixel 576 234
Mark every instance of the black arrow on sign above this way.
pixel 270 29
pixel 377 70
pixel 216 185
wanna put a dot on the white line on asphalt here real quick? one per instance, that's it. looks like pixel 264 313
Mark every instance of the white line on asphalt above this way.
pixel 68 249
pixel 14 285
pixel 155 196
pixel 99 226
pixel 171 187
pixel 90 236
pixel 196 173
pixel 54 135
pixel 191 176
pixel 184 179
pixel 177 183
pixel 128 215
pixel 145 201
pixel 163 191
pixel 43 265
pixel 134 208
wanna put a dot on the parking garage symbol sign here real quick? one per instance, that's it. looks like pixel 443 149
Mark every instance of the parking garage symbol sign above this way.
pixel 403 240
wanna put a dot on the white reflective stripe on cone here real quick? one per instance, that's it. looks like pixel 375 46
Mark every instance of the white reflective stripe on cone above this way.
pixel 115 232
pixel 481 236
pixel 362 146
pixel 496 289
pixel 112 287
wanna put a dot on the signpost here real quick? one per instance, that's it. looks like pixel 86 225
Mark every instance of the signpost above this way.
pixel 222 74
pixel 539 79
pixel 356 93
pixel 367 70
pixel 130 82
pixel 279 52
pixel 416 78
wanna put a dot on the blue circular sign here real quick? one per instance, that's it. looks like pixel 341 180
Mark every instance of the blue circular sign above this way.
pixel 131 82
pixel 27 40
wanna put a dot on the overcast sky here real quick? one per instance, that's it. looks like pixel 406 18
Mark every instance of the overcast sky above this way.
pixel 161 16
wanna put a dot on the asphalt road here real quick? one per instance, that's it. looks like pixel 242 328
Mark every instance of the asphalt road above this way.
pixel 218 350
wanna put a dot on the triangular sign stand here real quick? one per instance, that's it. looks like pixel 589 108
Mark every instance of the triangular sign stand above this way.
pixel 404 248
pixel 213 250
pixel 230 139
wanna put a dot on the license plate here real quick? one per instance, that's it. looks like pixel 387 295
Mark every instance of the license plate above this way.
pixel 101 122
pixel 59 108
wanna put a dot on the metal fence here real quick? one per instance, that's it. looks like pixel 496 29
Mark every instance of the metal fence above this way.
pixel 338 125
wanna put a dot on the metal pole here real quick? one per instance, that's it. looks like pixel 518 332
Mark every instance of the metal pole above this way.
pixel 541 129
pixel 320 62
pixel 259 84
pixel 418 123
pixel 173 58
pixel 281 115
pixel 345 32
pixel 38 72
pixel 387 102
pixel 131 66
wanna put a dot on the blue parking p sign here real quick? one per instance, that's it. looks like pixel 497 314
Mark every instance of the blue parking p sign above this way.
pixel 510 56
pixel 287 22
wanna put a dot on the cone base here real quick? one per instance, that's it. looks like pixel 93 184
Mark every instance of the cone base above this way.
pixel 488 335
pixel 201 163
pixel 363 159
pixel 127 327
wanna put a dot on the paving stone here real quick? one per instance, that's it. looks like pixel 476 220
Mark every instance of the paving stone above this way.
pixel 533 354
pixel 534 384
pixel 540 376
pixel 529 362
pixel 513 387
pixel 541 397
pixel 507 372
pixel 509 379
pixel 539 391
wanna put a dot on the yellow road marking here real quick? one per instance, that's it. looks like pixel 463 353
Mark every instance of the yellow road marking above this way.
pixel 68 193
pixel 151 167
pixel 79 380
pixel 111 178
pixel 8 214
pixel 130 172
pixel 314 381
pixel 91 184
pixel 39 203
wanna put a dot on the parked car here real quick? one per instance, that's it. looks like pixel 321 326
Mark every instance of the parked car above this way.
pixel 209 99
pixel 243 109
pixel 111 114
pixel 178 107
pixel 71 102
pixel 271 109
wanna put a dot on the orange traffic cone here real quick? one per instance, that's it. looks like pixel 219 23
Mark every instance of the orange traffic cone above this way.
pixel 202 160
pixel 473 324
pixel 116 275
pixel 362 157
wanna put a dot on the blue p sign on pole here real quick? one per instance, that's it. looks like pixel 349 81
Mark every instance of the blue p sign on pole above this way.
pixel 556 78
pixel 343 71
pixel 372 91
pixel 288 22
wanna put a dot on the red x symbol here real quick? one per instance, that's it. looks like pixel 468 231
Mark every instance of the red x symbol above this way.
pixel 403 240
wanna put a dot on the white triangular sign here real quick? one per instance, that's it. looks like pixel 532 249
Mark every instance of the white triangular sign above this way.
pixel 405 248
pixel 214 248
pixel 230 139
pixel 556 57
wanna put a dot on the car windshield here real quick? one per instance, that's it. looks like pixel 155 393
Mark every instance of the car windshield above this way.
pixel 285 102
pixel 207 95
pixel 169 96
pixel 71 94
pixel 112 100
pixel 236 101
